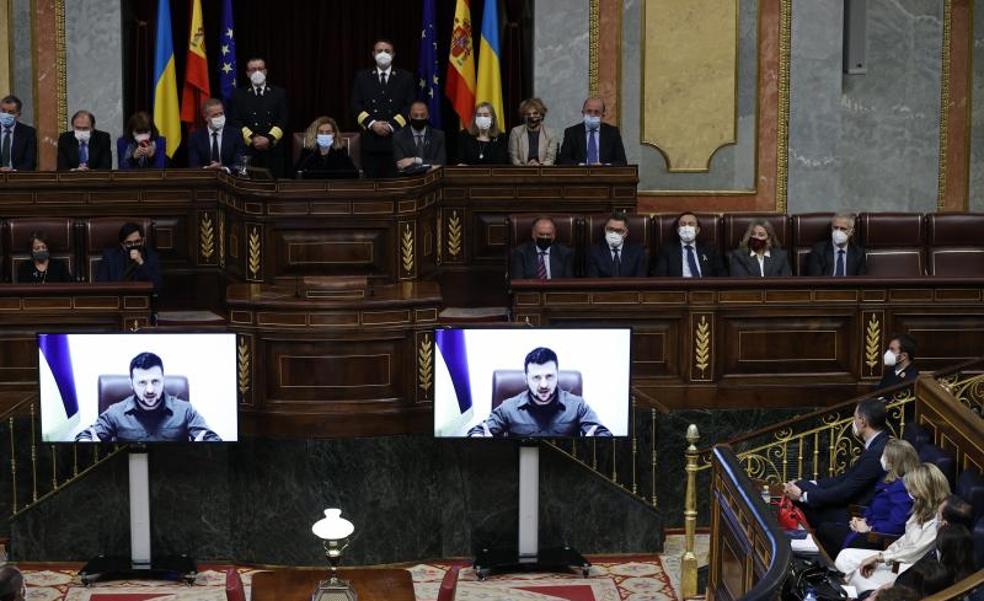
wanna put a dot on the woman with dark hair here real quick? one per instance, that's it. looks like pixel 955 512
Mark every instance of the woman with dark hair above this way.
pixel 758 254
pixel 141 146
pixel 483 142
pixel 41 269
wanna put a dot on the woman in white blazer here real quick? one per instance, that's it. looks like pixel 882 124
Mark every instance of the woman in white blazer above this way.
pixel 532 132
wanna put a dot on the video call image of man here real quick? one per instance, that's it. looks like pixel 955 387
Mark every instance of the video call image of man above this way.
pixel 150 414
pixel 543 409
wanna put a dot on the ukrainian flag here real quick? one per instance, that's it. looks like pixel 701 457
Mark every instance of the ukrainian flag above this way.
pixel 167 115
pixel 489 72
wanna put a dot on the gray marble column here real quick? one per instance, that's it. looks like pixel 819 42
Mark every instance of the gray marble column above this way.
pixel 977 115
pixel 94 43
pixel 560 63
pixel 22 58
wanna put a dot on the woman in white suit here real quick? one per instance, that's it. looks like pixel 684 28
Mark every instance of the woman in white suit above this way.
pixel 532 134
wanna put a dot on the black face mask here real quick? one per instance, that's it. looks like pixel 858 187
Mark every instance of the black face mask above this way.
pixel 418 124
pixel 533 121
pixel 131 246
pixel 543 243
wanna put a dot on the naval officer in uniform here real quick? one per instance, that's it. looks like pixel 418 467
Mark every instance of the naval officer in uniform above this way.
pixel 260 111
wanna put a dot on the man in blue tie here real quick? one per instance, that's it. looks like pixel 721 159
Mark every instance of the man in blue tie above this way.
pixel 18 142
pixel 84 147
pixel 838 256
pixel 686 255
pixel 592 142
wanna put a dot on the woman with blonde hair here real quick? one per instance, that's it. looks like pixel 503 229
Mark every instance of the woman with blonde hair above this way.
pixel 888 509
pixel 866 569
pixel 323 149
pixel 482 142
pixel 532 143
pixel 758 254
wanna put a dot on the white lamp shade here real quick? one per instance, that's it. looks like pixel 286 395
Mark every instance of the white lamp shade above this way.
pixel 333 526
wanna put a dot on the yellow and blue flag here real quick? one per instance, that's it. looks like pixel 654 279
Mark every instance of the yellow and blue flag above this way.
pixel 167 115
pixel 489 72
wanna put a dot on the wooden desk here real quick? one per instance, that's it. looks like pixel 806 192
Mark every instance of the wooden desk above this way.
pixel 297 584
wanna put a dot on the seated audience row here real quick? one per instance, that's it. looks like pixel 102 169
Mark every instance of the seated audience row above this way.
pixel 897 245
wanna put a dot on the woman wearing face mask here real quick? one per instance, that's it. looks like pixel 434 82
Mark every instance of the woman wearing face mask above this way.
pixel 141 146
pixel 868 569
pixel 758 254
pixel 324 151
pixel 532 143
pixel 482 143
pixel 42 269
pixel 889 507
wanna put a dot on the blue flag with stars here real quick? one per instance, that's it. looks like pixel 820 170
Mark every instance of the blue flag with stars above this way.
pixel 227 52
pixel 429 85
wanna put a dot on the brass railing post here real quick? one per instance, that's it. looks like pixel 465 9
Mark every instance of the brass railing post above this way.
pixel 688 570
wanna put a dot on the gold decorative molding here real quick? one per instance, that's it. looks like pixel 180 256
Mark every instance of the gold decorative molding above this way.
pixel 406 249
pixel 454 235
pixel 61 66
pixel 222 223
pixel 782 116
pixel 243 361
pixel 594 30
pixel 944 103
pixel 702 347
pixel 872 345
pixel 425 364
pixel 206 237
pixel 254 252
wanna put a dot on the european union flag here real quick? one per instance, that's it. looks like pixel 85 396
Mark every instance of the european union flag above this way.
pixel 429 85
pixel 227 47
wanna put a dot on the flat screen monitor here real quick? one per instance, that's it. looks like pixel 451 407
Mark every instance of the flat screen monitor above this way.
pixel 138 387
pixel 532 382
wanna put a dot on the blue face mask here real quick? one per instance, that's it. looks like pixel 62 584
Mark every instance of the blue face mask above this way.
pixel 7 119
pixel 325 140
pixel 592 122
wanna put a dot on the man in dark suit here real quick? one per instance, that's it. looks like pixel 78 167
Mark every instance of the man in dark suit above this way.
pixel 18 142
pixel 687 257
pixel 592 142
pixel 131 261
pixel 259 111
pixel 218 145
pixel 839 256
pixel 828 499
pixel 898 361
pixel 614 256
pixel 420 144
pixel 381 98
pixel 85 147
pixel 541 257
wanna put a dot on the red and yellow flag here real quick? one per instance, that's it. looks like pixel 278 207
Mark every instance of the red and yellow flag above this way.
pixel 460 86
pixel 196 88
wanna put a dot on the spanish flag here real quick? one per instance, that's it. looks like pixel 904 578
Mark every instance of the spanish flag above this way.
pixel 489 73
pixel 460 86
pixel 196 88
pixel 165 81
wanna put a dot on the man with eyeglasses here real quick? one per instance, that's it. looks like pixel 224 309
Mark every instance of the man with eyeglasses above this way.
pixel 614 256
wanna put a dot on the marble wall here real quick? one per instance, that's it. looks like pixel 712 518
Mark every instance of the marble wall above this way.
pixel 977 115
pixel 560 59
pixel 22 58
pixel 94 42
pixel 410 497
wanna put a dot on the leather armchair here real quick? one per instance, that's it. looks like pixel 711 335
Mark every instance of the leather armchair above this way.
pixel 507 383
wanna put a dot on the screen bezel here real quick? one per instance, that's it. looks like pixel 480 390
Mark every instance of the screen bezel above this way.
pixel 527 328
pixel 150 443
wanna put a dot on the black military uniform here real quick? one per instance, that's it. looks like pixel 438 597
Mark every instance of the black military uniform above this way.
pixel 372 100
pixel 262 111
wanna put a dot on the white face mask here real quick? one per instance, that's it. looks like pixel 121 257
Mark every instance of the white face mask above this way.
pixel 383 59
pixel 884 464
pixel 483 123
pixel 613 239
pixel 325 140
pixel 854 429
pixel 839 237
pixel 217 123
pixel 258 77
pixel 592 121
pixel 82 135
pixel 890 359
pixel 687 233
pixel 141 137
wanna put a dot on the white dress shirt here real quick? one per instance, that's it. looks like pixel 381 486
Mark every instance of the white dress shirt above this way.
pixel 761 261
pixel 685 270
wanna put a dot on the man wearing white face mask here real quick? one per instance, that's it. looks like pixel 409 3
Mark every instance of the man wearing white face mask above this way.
pixel 259 111
pixel 18 142
pixel 684 256
pixel 218 145
pixel 614 256
pixel 84 147
pixel 898 360
pixel 592 142
pixel 381 99
pixel 838 256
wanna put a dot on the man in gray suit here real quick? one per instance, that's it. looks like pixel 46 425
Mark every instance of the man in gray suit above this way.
pixel 419 145
pixel 542 257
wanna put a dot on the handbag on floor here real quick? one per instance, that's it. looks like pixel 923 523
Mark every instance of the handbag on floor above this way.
pixel 806 576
